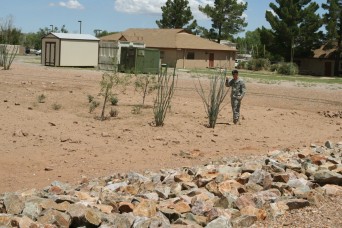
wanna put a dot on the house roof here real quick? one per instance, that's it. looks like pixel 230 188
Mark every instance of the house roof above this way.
pixel 167 38
pixel 325 51
pixel 72 36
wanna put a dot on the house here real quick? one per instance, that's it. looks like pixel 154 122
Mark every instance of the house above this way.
pixel 321 64
pixel 179 48
pixel 66 49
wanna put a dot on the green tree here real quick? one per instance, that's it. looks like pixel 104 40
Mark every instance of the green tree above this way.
pixel 177 14
pixel 227 18
pixel 295 28
pixel 333 25
pixel 251 44
pixel 8 33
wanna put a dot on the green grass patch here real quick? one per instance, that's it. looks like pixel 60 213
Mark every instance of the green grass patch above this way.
pixel 272 78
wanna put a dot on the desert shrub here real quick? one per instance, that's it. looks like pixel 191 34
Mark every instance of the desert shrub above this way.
pixel 136 110
pixel 114 100
pixel 258 64
pixel 41 98
pixel 213 100
pixel 242 65
pixel 113 112
pixel 56 106
pixel 93 105
pixel 288 68
pixel 145 84
pixel 274 67
pixel 90 98
pixel 165 90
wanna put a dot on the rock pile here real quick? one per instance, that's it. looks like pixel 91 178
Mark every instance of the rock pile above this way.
pixel 227 193
pixel 331 114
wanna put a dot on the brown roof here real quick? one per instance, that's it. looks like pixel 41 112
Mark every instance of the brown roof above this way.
pixel 167 38
pixel 325 51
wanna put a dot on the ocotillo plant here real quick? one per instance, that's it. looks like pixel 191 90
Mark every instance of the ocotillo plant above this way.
pixel 216 94
pixel 165 91
pixel 145 84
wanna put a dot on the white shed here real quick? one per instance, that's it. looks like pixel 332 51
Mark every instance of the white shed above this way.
pixel 66 49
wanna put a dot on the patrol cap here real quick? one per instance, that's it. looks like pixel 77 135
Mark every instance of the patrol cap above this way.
pixel 235 72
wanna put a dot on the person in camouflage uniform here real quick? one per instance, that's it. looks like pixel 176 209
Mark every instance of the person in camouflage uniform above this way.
pixel 238 88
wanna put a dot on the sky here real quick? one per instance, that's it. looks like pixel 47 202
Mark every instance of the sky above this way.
pixel 110 15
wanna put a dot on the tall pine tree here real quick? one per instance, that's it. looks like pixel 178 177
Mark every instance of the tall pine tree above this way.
pixel 227 18
pixel 177 14
pixel 295 28
pixel 333 25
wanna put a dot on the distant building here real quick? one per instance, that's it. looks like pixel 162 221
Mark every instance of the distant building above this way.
pixel 180 49
pixel 66 49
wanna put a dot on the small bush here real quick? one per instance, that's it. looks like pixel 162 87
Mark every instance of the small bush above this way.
pixel 56 106
pixel 41 98
pixel 113 112
pixel 274 67
pixel 258 64
pixel 114 100
pixel 136 109
pixel 93 105
pixel 90 98
pixel 288 69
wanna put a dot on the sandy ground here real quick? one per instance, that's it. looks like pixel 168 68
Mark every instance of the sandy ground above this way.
pixel 39 144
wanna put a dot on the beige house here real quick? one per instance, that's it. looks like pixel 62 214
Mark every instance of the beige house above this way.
pixel 180 49
pixel 321 64
pixel 66 49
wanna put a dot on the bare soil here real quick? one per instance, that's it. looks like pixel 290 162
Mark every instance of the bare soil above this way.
pixel 39 144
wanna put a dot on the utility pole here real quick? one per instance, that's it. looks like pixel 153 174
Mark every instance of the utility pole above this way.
pixel 80 26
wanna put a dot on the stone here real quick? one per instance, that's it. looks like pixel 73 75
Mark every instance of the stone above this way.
pixel 92 217
pixel 55 217
pixel 328 144
pixel 323 177
pixel 244 221
pixel 250 210
pixel 332 190
pixel 145 208
pixel 262 178
pixel 221 221
pixel 297 203
pixel 278 208
pixel 14 204
pixel 244 201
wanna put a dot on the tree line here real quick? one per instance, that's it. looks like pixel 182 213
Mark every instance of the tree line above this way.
pixel 296 27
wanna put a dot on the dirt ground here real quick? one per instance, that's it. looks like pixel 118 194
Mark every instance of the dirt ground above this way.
pixel 39 144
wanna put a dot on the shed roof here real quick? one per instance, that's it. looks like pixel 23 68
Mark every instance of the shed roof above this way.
pixel 168 38
pixel 73 36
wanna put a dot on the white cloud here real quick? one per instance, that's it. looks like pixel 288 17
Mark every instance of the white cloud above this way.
pixel 71 4
pixel 154 6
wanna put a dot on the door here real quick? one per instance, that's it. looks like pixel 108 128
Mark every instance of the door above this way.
pixel 50 53
pixel 327 69
pixel 211 60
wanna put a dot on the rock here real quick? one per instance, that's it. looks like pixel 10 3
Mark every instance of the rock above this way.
pixel 55 217
pixel 145 208
pixel 333 190
pixel 252 211
pixel 279 208
pixel 323 177
pixel 329 144
pixel 244 221
pixel 92 217
pixel 297 203
pixel 221 221
pixel 14 204
pixel 261 177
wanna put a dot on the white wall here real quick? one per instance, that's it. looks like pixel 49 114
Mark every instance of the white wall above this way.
pixel 79 53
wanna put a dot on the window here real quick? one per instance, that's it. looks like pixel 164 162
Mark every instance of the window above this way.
pixel 190 55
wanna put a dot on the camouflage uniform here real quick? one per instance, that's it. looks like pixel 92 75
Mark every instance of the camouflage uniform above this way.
pixel 238 88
